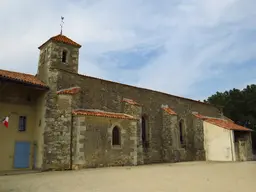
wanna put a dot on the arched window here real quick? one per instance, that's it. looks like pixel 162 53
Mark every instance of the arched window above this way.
pixel 144 131
pixel 116 137
pixel 181 128
pixel 64 56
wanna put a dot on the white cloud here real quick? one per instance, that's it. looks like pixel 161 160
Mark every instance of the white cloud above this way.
pixel 199 36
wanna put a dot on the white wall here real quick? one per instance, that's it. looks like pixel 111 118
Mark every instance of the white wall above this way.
pixel 218 143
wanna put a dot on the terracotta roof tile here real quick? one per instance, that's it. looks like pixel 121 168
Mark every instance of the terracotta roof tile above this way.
pixel 168 110
pixel 21 77
pixel 227 124
pixel 224 123
pixel 69 91
pixel 201 116
pixel 130 101
pixel 99 113
pixel 62 39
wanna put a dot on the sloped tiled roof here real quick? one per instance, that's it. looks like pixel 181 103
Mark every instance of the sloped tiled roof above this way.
pixel 21 77
pixel 169 110
pixel 227 124
pixel 62 39
pixel 69 91
pixel 201 116
pixel 99 113
pixel 130 101
pixel 224 123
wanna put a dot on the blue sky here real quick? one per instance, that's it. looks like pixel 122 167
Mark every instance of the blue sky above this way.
pixel 187 48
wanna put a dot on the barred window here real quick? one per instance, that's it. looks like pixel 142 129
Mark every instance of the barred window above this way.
pixel 22 123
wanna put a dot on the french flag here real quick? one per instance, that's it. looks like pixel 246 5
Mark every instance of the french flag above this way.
pixel 6 122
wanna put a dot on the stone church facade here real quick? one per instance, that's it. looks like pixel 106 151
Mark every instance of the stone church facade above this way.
pixel 82 121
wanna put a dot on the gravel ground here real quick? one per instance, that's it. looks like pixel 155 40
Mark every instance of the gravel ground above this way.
pixel 178 177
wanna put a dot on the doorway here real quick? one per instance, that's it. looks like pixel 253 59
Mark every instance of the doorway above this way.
pixel 22 154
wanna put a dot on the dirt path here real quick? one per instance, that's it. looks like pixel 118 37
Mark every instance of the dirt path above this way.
pixel 180 177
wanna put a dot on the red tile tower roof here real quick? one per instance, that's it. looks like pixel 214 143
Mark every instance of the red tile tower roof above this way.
pixel 21 77
pixel 62 39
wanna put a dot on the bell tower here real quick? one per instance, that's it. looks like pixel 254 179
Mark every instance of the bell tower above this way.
pixel 59 52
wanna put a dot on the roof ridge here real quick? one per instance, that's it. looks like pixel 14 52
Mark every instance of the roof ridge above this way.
pixel 18 72
pixel 228 124
pixel 133 86
pixel 63 39
pixel 22 77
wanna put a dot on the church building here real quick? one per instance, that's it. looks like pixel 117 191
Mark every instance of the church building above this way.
pixel 59 119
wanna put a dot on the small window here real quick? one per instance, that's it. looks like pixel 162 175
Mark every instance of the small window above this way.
pixel 64 56
pixel 181 127
pixel 116 138
pixel 144 132
pixel 22 123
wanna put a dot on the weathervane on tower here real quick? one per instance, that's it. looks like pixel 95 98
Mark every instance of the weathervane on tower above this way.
pixel 61 24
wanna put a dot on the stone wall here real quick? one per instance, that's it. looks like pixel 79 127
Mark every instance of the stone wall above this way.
pixel 57 129
pixel 249 146
pixel 243 146
pixel 108 96
pixel 136 111
pixel 197 148
pixel 92 142
pixel 51 57
pixel 169 136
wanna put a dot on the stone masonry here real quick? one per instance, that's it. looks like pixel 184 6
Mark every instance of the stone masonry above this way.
pixel 57 134
pixel 82 121
pixel 92 145
pixel 108 96
pixel 198 139
pixel 169 135
pixel 90 136
pixel 135 109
